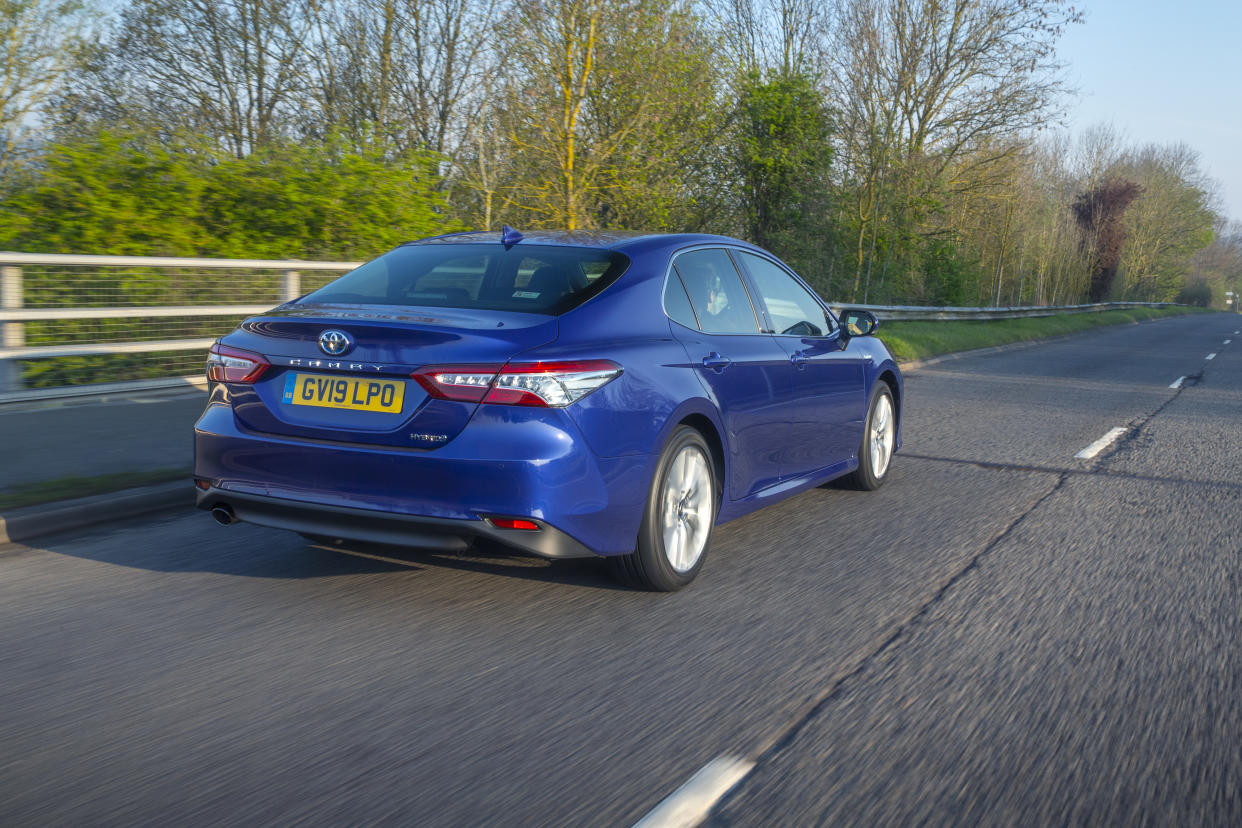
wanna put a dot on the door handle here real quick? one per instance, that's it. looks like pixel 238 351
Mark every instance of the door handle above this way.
pixel 716 362
pixel 798 358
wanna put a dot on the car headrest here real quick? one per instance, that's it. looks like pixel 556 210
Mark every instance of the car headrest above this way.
pixel 550 281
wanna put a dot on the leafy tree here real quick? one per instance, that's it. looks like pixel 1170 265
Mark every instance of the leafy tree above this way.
pixel 784 157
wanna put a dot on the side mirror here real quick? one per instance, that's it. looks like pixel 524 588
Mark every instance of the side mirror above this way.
pixel 858 322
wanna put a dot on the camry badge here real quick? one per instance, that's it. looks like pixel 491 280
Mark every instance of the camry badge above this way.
pixel 334 342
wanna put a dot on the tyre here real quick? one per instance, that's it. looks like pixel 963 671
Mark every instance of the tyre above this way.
pixel 678 518
pixel 875 453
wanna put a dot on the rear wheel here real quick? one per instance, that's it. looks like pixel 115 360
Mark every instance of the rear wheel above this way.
pixel 678 520
pixel 875 453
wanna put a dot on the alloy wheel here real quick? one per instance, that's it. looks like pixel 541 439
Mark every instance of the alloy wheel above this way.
pixel 686 508
pixel 882 435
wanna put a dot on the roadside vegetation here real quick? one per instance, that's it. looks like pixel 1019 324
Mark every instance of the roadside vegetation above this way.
pixel 892 151
pixel 916 340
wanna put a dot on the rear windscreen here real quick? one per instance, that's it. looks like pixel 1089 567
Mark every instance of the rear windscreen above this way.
pixel 528 279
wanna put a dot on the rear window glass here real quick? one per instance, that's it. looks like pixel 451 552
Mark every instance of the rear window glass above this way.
pixel 528 279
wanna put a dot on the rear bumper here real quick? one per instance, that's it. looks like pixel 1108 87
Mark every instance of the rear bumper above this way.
pixel 370 526
pixel 508 462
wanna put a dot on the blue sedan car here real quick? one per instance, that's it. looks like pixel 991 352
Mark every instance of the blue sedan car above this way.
pixel 567 394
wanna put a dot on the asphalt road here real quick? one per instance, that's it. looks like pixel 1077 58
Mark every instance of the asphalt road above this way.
pixel 141 432
pixel 1002 634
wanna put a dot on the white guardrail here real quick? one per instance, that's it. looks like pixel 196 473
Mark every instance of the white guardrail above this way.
pixel 106 287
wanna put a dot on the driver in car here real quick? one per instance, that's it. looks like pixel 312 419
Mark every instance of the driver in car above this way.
pixel 707 285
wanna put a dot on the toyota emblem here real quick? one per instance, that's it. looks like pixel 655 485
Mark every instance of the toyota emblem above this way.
pixel 335 343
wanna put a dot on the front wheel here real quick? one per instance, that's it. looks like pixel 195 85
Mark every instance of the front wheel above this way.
pixel 678 519
pixel 875 453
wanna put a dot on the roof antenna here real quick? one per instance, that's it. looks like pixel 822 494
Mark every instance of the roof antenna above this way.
pixel 509 236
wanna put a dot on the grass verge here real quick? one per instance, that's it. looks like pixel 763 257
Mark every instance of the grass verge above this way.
pixel 914 340
pixel 66 488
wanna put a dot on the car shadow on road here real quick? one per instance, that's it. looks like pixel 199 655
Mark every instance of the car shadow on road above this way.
pixel 165 545
pixel 488 558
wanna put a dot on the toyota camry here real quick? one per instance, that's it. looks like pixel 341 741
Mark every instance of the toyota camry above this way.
pixel 566 394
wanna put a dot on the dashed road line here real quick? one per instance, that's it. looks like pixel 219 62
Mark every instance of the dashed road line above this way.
pixel 1210 356
pixel 690 804
pixel 1227 341
pixel 1100 444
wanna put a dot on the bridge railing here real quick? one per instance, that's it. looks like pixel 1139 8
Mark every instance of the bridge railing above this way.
pixel 148 316
pixel 77 325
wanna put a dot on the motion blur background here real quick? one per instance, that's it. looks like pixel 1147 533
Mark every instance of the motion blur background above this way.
pixel 959 153
pixel 1030 623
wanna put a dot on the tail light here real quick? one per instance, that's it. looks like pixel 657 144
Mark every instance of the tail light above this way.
pixel 464 383
pixel 226 364
pixel 548 384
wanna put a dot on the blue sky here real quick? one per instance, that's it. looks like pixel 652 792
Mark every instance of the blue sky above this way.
pixel 1164 72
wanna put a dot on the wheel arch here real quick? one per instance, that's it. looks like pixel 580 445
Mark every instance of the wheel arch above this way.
pixel 702 424
pixel 700 415
pixel 891 375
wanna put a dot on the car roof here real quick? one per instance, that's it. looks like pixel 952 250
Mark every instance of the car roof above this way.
pixel 620 240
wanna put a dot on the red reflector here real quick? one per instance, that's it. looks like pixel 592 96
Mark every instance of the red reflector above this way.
pixel 513 523
pixel 202 484
pixel 512 396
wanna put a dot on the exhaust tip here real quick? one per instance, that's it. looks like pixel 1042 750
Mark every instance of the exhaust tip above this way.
pixel 223 514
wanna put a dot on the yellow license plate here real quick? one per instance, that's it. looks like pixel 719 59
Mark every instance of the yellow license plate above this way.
pixel 358 393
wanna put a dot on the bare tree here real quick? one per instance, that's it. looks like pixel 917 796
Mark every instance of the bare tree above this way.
pixel 786 36
pixel 452 55
pixel 226 68
pixel 923 85
pixel 40 44
pixel 609 112
pixel 554 64
pixel 410 72
pixel 1172 219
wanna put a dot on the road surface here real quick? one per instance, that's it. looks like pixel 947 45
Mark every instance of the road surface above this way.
pixel 1004 633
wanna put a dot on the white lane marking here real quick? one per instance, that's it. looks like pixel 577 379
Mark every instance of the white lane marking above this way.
pixel 1177 383
pixel 1227 341
pixel 690 804
pixel 1210 356
pixel 1100 444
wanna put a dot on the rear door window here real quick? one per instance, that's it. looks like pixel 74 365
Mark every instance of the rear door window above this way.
pixel 715 289
pixel 677 303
